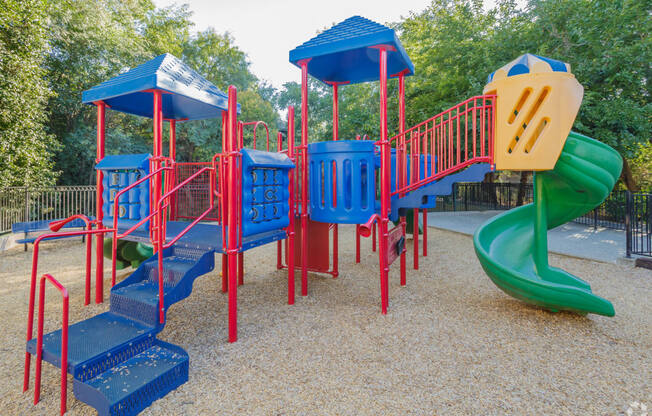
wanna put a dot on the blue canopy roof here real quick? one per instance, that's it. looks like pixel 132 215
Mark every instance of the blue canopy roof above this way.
pixel 343 54
pixel 190 97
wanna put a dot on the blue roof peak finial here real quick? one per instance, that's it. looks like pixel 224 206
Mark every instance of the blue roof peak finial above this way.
pixel 189 96
pixel 343 53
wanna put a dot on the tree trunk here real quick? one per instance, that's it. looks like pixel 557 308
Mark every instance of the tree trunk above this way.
pixel 628 178
pixel 521 187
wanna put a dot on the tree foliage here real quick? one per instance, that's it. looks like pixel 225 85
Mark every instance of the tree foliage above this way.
pixel 25 147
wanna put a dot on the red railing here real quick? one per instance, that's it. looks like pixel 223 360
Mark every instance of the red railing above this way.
pixel 445 143
pixel 161 235
pixel 32 290
pixel 116 204
pixel 255 124
pixel 191 200
pixel 64 341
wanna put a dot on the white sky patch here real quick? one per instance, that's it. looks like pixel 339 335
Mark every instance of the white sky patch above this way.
pixel 266 30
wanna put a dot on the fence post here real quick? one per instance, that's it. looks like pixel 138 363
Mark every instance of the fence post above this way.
pixel 26 216
pixel 628 224
pixel 454 195
pixel 595 218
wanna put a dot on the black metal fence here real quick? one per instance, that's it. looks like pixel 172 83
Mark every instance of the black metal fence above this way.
pixel 622 210
pixel 20 204
pixel 638 221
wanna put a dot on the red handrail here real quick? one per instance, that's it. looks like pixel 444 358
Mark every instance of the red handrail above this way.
pixel 56 226
pixel 256 124
pixel 116 203
pixel 444 144
pixel 64 341
pixel 32 290
pixel 160 240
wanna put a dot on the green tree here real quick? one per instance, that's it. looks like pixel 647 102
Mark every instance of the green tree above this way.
pixel 25 147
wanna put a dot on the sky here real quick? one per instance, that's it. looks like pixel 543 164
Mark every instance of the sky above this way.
pixel 266 30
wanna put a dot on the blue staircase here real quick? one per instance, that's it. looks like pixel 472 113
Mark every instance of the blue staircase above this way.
pixel 118 365
pixel 444 186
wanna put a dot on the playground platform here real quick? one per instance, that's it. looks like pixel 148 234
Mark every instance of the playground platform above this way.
pixel 570 239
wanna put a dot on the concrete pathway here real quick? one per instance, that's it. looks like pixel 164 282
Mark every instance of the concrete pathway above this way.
pixel 601 244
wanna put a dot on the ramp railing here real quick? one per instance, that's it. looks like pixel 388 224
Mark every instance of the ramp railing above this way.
pixel 444 144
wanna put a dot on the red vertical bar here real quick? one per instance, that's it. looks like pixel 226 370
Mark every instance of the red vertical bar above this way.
pixel 335 229
pixel 225 272
pixel 459 159
pixel 290 250
pixel 89 251
pixel 385 173
pixel 172 173
pixel 400 161
pixel 304 177
pixel 373 239
pixel 415 237
pixel 357 243
pixel 240 268
pixel 99 241
pixel 482 137
pixel 473 128
pixel 231 146
pixel 425 232
pixel 466 131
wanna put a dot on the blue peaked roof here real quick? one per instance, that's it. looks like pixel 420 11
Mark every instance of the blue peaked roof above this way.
pixel 190 97
pixel 343 54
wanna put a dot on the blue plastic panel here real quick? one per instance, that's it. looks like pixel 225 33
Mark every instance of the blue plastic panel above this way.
pixel 424 168
pixel 191 96
pixel 265 193
pixel 121 171
pixel 343 54
pixel 349 166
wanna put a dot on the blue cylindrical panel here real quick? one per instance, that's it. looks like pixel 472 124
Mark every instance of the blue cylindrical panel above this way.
pixel 342 181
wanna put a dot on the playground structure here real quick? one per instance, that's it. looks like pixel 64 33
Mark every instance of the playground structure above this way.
pixel 244 198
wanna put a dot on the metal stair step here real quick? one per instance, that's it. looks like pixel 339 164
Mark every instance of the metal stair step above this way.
pixel 96 344
pixel 133 385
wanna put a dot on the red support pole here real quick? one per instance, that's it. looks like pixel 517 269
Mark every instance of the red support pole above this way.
pixel 399 160
pixel 425 232
pixel 304 177
pixel 99 240
pixel 222 210
pixel 157 153
pixel 172 173
pixel 240 268
pixel 385 174
pixel 373 238
pixel 290 250
pixel 357 243
pixel 64 342
pixel 232 219
pixel 336 121
pixel 415 235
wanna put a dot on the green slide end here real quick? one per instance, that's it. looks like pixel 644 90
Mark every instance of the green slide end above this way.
pixel 513 247
pixel 130 253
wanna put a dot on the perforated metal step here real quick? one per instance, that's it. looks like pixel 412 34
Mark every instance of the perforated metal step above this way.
pixel 130 387
pixel 96 344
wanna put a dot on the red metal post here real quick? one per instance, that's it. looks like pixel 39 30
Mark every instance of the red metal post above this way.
pixel 222 210
pixel 385 173
pixel 290 250
pixel 64 342
pixel 240 268
pixel 172 173
pixel 425 232
pixel 232 252
pixel 157 153
pixel 400 158
pixel 99 241
pixel 415 229
pixel 357 243
pixel 336 120
pixel 304 177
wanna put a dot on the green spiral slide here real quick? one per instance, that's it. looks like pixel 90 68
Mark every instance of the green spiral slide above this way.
pixel 513 247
